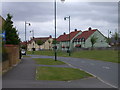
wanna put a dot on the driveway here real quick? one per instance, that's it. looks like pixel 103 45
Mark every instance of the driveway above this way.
pixel 107 72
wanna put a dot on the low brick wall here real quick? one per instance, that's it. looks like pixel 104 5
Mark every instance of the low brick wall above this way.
pixel 5 65
pixel 13 56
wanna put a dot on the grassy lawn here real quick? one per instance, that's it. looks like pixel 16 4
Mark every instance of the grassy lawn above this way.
pixel 104 55
pixel 48 53
pixel 60 74
pixel 48 61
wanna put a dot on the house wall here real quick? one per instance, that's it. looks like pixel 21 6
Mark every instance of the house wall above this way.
pixel 66 43
pixel 46 45
pixel 101 41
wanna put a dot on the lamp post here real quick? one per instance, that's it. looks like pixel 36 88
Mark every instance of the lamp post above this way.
pixel 25 34
pixel 55 4
pixel 32 31
pixel 65 18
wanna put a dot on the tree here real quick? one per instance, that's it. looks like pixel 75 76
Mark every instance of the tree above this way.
pixel 116 36
pixel 55 42
pixel 93 40
pixel 11 32
pixel 40 42
pixel 49 43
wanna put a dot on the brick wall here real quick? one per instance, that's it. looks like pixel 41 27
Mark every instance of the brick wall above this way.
pixel 13 56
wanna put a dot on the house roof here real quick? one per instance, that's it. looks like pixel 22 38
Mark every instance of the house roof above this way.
pixel 86 34
pixel 44 39
pixel 65 37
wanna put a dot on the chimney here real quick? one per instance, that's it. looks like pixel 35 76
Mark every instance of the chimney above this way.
pixel 64 33
pixel 89 28
pixel 75 30
pixel 50 36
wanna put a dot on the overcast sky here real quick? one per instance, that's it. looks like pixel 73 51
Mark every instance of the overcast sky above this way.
pixel 98 15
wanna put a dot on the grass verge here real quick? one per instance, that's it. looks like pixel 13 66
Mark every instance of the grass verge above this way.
pixel 103 55
pixel 48 61
pixel 60 74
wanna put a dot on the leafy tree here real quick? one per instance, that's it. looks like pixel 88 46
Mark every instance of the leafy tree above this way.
pixel 116 36
pixel 23 46
pixel 11 32
pixel 55 42
pixel 93 40
pixel 49 43
pixel 39 42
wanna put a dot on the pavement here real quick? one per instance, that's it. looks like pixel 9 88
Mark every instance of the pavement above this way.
pixel 23 76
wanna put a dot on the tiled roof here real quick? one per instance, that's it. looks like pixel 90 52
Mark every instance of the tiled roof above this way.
pixel 86 34
pixel 65 37
pixel 44 39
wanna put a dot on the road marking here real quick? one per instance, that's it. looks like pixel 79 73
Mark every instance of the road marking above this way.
pixel 68 81
pixel 95 76
pixel 71 65
pixel 92 64
pixel 106 67
pixel 83 61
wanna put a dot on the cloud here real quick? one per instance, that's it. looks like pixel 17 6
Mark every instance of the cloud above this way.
pixel 100 15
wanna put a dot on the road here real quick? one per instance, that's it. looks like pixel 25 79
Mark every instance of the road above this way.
pixel 107 72
pixel 23 76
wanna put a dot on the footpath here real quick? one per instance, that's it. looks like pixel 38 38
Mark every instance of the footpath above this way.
pixel 23 76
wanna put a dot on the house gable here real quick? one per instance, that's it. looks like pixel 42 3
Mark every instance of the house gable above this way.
pixel 84 39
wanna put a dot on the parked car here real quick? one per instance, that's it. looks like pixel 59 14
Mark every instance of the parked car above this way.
pixel 23 52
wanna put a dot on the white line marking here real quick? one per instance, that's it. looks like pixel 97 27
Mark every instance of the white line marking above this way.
pixel 83 61
pixel 95 76
pixel 92 64
pixel 71 65
pixel 106 67
pixel 68 81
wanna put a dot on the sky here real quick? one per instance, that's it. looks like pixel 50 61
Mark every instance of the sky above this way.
pixel 97 15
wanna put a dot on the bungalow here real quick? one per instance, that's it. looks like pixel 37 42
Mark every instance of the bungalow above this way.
pixel 46 43
pixel 84 40
pixel 64 40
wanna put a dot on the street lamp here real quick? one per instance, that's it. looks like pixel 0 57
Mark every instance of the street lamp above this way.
pixel 65 18
pixel 32 31
pixel 25 33
pixel 55 4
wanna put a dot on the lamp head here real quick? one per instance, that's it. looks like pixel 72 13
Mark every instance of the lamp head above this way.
pixel 64 18
pixel 29 24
